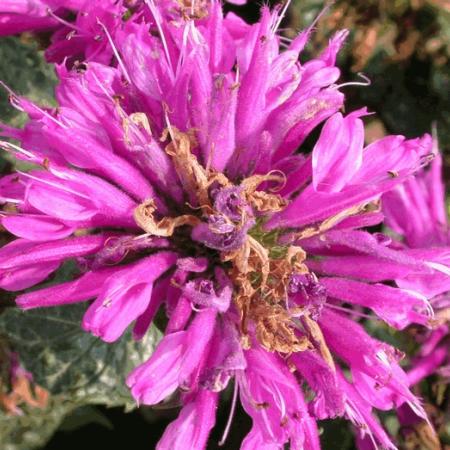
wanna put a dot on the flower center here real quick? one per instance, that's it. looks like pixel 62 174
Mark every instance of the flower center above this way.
pixel 272 285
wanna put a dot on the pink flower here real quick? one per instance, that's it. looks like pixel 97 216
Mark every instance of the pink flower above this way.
pixel 416 211
pixel 172 177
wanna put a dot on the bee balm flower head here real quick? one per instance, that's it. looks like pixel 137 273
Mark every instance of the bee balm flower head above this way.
pixel 174 179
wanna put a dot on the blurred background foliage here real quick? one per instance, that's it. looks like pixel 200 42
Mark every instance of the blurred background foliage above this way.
pixel 403 47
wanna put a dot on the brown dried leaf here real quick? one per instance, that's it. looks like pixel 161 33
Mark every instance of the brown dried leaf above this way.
pixel 192 175
pixel 264 202
pixel 334 220
pixel 274 330
pixel 143 215
pixel 261 260
pixel 315 333
pixel 140 119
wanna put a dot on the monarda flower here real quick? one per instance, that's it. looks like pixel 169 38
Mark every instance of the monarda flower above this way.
pixel 416 212
pixel 174 181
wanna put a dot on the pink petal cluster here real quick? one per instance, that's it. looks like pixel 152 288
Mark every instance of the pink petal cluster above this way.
pixel 194 108
pixel 78 38
pixel 79 28
pixel 416 212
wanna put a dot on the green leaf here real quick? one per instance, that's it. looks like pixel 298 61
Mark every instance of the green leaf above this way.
pixel 85 415
pixel 75 367
pixel 25 71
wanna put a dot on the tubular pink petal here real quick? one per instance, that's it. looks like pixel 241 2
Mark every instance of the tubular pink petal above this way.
pixel 84 288
pixel 192 427
pixel 125 295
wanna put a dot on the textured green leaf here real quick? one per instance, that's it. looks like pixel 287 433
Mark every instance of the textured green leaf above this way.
pixel 75 367
pixel 65 359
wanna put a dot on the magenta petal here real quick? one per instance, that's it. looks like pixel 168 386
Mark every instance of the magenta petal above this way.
pixel 144 320
pixel 329 400
pixel 337 155
pixel 427 365
pixel 292 122
pixel 25 277
pixel 59 204
pixel 360 413
pixel 374 364
pixel 125 296
pixel 18 23
pixel 84 288
pixel 255 440
pixel 220 145
pixel 192 427
pixel 11 189
pixel 58 250
pixel 146 383
pixel 271 395
pixel 311 207
pixel 198 338
pixel 225 358
pixel 180 315
pixel 36 227
pixel 398 307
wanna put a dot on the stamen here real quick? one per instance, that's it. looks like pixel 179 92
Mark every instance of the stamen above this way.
pixel 116 53
pixel 283 179
pixel 197 310
pixel 281 16
pixel 438 266
pixel 284 38
pixel 49 116
pixel 236 80
pixel 366 82
pixel 231 415
pixel 102 87
pixel 353 312
pixel 14 99
pixel 319 16
pixel 358 419
pixel 155 13
pixel 65 23
pixel 434 134
pixel 9 200
pixel 55 185
pixel 182 50
pixel 169 125
pixel 419 411
pixel 11 93
pixel 9 146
